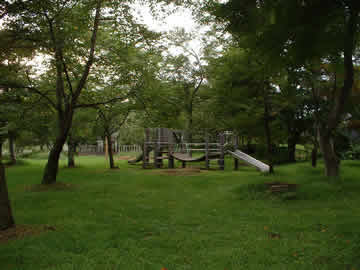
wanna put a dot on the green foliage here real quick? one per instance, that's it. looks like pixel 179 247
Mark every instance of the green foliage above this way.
pixel 353 152
pixel 3 133
pixel 237 80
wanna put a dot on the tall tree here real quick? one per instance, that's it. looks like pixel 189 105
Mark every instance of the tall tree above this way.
pixel 81 132
pixel 244 96
pixel 305 30
pixel 57 27
pixel 185 74
pixel 6 217
pixel 110 119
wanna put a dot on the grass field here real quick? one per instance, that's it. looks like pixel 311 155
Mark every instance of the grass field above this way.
pixel 152 219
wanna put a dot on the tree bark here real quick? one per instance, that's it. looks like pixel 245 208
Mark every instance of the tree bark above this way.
pixel 6 217
pixel 71 152
pixel 12 149
pixel 110 152
pixel 332 162
pixel 292 140
pixel 314 154
pixel 52 166
pixel 189 127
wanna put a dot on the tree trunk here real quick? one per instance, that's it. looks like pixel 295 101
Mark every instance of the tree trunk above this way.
pixel 314 154
pixel 332 162
pixel 12 149
pixel 6 217
pixel 71 152
pixel 52 166
pixel 110 152
pixel 190 126
pixel 292 149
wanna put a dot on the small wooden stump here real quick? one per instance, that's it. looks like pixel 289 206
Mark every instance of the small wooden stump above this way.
pixel 278 187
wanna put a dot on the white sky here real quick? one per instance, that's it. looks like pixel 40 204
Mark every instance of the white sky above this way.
pixel 182 18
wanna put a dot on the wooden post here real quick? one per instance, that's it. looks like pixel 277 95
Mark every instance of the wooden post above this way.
pixel 106 149
pixel 157 149
pixel 171 150
pixel 236 146
pixel 207 161
pixel 160 143
pixel 222 153
pixel 146 158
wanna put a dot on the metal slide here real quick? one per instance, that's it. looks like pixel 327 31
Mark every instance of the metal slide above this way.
pixel 250 160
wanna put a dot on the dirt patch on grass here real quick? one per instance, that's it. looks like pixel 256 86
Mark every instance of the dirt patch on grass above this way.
pixel 22 231
pixel 182 171
pixel 125 158
pixel 58 186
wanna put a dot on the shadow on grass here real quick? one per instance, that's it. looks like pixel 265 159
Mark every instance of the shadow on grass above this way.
pixel 58 186
pixel 19 162
pixel 257 191
pixel 72 168
pixel 22 231
pixel 314 191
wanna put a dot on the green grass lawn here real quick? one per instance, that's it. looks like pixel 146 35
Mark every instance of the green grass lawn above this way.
pixel 145 219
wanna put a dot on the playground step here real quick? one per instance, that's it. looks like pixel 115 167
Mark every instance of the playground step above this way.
pixel 162 158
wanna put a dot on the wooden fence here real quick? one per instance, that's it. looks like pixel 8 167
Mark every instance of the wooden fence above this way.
pixel 129 148
pixel 99 149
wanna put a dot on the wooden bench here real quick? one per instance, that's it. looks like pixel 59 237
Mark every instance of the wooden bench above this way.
pixel 277 187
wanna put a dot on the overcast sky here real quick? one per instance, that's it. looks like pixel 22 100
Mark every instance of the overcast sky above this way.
pixel 182 18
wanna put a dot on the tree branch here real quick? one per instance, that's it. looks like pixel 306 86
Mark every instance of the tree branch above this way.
pixel 67 75
pixel 60 91
pixel 197 88
pixel 90 61
pixel 35 90
pixel 96 104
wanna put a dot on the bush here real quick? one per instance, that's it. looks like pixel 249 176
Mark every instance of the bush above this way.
pixel 353 153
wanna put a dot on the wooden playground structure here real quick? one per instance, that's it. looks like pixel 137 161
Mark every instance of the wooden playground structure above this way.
pixel 171 145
